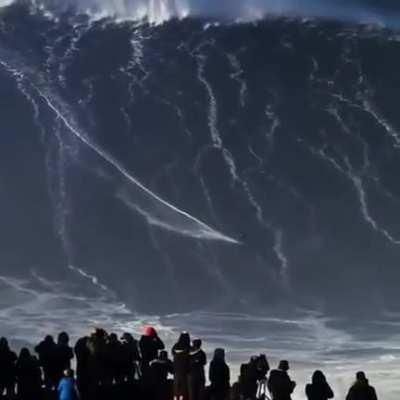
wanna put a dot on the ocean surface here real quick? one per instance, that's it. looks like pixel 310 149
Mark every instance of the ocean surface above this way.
pixel 228 170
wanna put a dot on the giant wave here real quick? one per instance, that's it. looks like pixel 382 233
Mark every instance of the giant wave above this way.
pixel 248 171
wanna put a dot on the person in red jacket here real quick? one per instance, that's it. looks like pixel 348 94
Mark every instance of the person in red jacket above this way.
pixel 149 344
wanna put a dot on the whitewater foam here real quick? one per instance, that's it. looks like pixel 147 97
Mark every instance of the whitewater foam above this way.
pixel 160 11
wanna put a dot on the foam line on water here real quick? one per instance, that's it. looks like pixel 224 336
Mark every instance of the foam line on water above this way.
pixel 218 143
pixel 237 75
pixel 153 220
pixel 186 224
pixel 196 225
pixel 358 184
pixel 93 279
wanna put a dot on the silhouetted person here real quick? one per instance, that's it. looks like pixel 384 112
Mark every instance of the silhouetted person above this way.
pixel 7 369
pixel 131 357
pixel 197 377
pixel 47 353
pixel 28 376
pixel 97 345
pixel 150 344
pixel 114 361
pixel 64 355
pixel 82 354
pixel 361 389
pixel 262 367
pixel 248 380
pixel 180 353
pixel 159 371
pixel 67 388
pixel 262 371
pixel 319 389
pixel 280 385
pixel 219 375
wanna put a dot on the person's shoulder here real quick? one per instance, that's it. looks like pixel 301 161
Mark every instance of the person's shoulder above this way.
pixel 63 382
pixel 372 389
pixel 309 389
pixel 274 372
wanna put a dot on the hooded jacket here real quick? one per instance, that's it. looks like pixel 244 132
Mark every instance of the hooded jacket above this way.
pixel 361 390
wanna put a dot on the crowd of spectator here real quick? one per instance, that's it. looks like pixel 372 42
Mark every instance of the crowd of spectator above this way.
pixel 113 368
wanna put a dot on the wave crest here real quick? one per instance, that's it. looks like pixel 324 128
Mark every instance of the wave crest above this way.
pixel 159 11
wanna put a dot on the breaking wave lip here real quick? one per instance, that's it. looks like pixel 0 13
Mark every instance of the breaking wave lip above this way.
pixel 159 11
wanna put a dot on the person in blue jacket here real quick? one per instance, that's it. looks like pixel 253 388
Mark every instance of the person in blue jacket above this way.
pixel 67 387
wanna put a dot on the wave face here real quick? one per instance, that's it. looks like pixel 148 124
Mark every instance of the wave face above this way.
pixel 249 160
pixel 199 166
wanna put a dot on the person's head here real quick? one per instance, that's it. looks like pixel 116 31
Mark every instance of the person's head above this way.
pixel 253 360
pixel 69 373
pixel 219 355
pixel 262 362
pixel 318 377
pixel 3 343
pixel 163 355
pixel 149 331
pixel 24 354
pixel 63 338
pixel 184 340
pixel 113 338
pixel 127 337
pixel 283 365
pixel 361 377
pixel 49 339
pixel 197 343
pixel 99 333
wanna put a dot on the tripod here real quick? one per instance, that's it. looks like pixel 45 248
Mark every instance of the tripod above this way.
pixel 262 390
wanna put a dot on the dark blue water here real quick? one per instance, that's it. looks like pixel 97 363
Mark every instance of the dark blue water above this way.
pixel 200 173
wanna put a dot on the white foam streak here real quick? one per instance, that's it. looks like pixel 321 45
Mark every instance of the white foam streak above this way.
pixel 200 231
pixel 198 228
pixel 213 107
pixel 358 185
pixel 167 215
pixel 213 117
pixel 93 279
pixel 229 160
pixel 237 75
pixel 278 248
pixel 393 133
pixel 365 148
pixel 33 308
pixel 60 198
pixel 368 108
pixel 275 124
